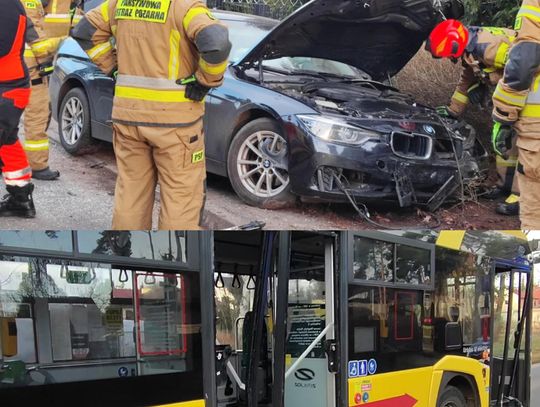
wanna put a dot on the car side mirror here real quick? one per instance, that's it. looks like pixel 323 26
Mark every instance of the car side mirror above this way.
pixel 453 338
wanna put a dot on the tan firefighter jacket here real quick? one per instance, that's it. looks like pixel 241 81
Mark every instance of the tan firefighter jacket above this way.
pixel 58 16
pixel 40 49
pixel 483 62
pixel 157 43
pixel 518 94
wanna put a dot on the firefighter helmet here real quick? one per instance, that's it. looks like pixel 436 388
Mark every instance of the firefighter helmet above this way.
pixel 448 39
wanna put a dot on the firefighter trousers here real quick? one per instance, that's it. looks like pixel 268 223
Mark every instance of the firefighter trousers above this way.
pixel 13 161
pixel 529 184
pixel 171 157
pixel 36 121
pixel 506 171
pixel 527 129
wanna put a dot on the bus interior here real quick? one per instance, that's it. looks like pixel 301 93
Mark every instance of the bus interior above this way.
pixel 69 327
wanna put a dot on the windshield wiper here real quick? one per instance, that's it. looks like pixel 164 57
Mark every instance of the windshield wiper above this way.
pixel 294 72
pixel 310 73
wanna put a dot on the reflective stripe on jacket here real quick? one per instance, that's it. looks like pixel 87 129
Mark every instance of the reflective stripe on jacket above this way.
pixel 39 48
pixel 484 60
pixel 519 86
pixel 157 43
pixel 58 17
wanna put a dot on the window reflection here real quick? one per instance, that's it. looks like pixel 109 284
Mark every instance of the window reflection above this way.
pixel 43 240
pixel 153 245
pixel 388 262
pixel 413 265
pixel 373 260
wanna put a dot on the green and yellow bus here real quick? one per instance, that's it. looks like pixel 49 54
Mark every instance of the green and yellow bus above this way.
pixel 281 319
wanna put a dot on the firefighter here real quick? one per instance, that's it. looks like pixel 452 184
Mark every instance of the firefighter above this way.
pixel 60 15
pixel 516 110
pixel 483 52
pixel 14 96
pixel 38 57
pixel 169 55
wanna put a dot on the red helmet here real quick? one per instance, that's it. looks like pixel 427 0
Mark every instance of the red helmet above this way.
pixel 448 39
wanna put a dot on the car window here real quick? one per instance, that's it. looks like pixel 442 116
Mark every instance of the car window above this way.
pixel 90 4
pixel 244 35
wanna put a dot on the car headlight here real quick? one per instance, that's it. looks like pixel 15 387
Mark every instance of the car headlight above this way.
pixel 336 130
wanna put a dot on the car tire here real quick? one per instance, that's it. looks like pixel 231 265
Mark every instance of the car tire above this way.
pixel 452 397
pixel 74 123
pixel 258 150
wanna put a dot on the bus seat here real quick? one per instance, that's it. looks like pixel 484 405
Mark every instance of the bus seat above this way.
pixel 9 336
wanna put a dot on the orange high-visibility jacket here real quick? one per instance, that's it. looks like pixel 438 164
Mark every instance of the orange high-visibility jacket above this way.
pixel 157 43
pixel 13 26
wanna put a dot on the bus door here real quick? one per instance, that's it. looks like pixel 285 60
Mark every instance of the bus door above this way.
pixel 238 284
pixel 311 342
pixel 275 324
pixel 510 348
pixel 160 322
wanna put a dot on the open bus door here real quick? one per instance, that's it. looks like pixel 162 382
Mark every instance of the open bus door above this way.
pixel 312 335
pixel 511 334
pixel 284 339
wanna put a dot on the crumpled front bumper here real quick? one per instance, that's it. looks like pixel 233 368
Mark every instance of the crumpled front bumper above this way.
pixel 373 172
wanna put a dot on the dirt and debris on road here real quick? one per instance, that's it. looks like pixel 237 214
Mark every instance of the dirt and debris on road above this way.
pixel 223 202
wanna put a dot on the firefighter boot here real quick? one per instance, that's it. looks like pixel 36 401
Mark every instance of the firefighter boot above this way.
pixel 510 207
pixel 18 202
pixel 45 174
pixel 495 193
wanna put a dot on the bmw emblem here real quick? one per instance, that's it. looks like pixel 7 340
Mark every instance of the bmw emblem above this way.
pixel 429 129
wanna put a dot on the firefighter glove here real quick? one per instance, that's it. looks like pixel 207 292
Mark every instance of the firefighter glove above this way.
pixel 46 69
pixel 444 111
pixel 195 90
pixel 501 139
pixel 476 93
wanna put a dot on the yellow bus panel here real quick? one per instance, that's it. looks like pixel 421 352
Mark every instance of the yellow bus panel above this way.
pixel 194 403
pixel 416 387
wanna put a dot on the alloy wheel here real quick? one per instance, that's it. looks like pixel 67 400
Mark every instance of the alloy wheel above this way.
pixel 262 164
pixel 72 120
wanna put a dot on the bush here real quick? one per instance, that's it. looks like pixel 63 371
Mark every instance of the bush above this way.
pixel 432 82
pixel 497 13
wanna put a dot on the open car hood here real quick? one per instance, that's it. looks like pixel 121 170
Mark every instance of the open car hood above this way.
pixel 377 36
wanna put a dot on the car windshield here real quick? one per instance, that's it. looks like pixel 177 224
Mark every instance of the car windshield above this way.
pixel 244 35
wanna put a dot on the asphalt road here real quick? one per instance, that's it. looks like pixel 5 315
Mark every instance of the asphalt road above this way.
pixel 83 199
